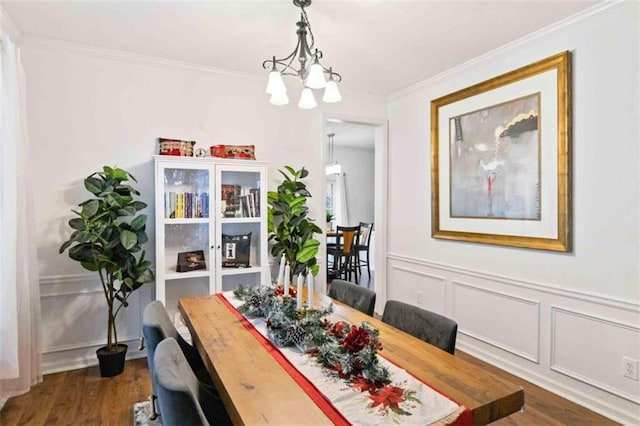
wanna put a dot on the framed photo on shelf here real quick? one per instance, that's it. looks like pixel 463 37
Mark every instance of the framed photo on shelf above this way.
pixel 500 171
pixel 191 261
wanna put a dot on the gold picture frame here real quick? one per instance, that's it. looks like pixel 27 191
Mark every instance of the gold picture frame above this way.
pixel 500 159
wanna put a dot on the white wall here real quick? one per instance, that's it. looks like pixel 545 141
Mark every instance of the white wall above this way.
pixel 88 108
pixel 563 320
pixel 358 167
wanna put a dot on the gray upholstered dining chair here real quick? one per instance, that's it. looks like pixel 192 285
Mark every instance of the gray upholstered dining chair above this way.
pixel 433 328
pixel 181 397
pixel 157 326
pixel 353 295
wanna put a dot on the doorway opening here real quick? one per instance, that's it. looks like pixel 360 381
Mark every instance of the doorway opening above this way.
pixel 354 150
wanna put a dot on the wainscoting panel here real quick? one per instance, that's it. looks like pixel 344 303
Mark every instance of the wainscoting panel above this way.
pixel 74 321
pixel 602 344
pixel 482 314
pixel 418 288
pixel 569 342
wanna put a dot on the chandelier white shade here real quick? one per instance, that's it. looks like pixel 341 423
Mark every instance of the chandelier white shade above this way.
pixel 310 77
pixel 275 83
pixel 279 98
pixel 331 92
pixel 316 80
pixel 307 100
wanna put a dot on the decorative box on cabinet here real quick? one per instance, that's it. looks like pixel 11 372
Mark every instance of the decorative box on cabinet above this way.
pixel 198 201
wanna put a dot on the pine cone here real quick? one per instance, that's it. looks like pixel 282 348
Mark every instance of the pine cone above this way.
pixel 296 335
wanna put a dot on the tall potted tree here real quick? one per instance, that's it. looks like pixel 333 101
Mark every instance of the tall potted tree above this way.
pixel 107 234
pixel 290 228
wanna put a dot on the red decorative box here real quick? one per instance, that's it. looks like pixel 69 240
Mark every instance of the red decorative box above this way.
pixel 245 152
pixel 176 147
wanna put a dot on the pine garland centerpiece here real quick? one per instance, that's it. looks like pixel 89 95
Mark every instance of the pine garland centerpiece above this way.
pixel 346 351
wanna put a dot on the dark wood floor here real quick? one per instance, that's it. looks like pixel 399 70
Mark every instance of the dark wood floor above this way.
pixel 82 397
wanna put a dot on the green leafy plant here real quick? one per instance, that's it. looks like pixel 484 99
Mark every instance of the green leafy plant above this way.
pixel 106 236
pixel 290 229
pixel 329 216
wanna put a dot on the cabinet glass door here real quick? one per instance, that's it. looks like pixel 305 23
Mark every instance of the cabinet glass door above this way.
pixel 187 234
pixel 242 216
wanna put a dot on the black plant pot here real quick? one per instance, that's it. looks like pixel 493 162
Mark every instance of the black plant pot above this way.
pixel 111 363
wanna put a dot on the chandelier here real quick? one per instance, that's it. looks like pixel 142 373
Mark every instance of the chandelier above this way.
pixel 311 78
pixel 332 168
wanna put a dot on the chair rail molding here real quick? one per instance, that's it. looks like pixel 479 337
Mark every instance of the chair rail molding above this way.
pixel 518 282
pixel 72 309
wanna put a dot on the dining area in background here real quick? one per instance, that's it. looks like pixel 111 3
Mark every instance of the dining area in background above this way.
pixel 351 200
pixel 350 252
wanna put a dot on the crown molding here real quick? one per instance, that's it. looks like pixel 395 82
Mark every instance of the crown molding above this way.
pixel 38 42
pixel 592 13
pixel 129 57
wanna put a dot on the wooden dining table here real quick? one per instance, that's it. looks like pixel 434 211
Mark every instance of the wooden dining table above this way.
pixel 257 390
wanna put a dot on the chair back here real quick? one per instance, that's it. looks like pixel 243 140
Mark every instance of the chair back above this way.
pixel 156 326
pixel 365 233
pixel 433 328
pixel 181 398
pixel 348 238
pixel 353 295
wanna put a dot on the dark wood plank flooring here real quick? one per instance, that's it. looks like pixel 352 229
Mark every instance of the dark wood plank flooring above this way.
pixel 82 397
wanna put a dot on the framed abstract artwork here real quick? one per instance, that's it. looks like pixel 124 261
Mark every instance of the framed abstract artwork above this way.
pixel 500 159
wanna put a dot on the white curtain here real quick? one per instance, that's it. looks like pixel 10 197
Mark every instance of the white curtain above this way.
pixel 340 210
pixel 20 340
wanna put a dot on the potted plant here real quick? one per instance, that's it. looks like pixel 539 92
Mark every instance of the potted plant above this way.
pixel 107 234
pixel 290 229
pixel 329 220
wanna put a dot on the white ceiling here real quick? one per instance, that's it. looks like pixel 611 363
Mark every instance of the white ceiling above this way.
pixel 379 47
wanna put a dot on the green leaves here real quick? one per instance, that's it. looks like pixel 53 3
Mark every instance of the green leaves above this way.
pixel 290 229
pixel 93 185
pixel 128 239
pixel 139 222
pixel 90 208
pixel 107 235
pixel 308 251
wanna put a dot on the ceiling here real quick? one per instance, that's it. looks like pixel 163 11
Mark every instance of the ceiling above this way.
pixel 379 47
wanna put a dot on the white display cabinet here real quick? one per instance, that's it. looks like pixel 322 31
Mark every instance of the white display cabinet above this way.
pixel 206 208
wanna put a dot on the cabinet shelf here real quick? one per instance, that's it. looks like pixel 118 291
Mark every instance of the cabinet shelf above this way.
pixel 240 271
pixel 216 186
pixel 173 275
pixel 172 221
pixel 240 220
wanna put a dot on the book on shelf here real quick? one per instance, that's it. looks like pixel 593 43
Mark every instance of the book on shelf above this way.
pixel 186 205
pixel 255 192
pixel 231 195
pixel 252 205
pixel 247 204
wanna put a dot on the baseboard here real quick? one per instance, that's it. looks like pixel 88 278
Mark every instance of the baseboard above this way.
pixel 82 357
